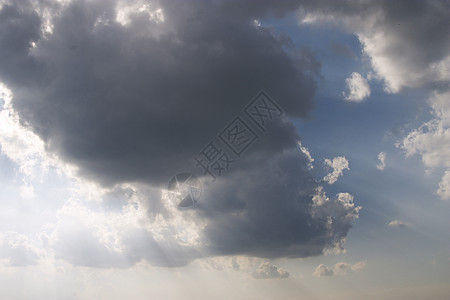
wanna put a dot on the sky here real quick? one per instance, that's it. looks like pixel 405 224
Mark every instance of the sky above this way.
pixel 224 149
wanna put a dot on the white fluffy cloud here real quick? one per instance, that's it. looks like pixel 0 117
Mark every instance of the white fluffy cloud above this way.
pixel 444 186
pixel 407 45
pixel 381 161
pixel 19 144
pixel 338 164
pixel 357 88
pixel 432 140
pixel 305 151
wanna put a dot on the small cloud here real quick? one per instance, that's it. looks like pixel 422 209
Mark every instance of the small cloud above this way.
pixel 444 186
pixel 305 151
pixel 338 164
pixel 398 224
pixel 358 88
pixel 359 266
pixel 323 271
pixel 269 271
pixel 341 268
pixel 381 161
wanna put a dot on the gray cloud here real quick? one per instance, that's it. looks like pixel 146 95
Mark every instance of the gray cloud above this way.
pixel 134 103
pixel 126 105
pixel 269 211
pixel 407 41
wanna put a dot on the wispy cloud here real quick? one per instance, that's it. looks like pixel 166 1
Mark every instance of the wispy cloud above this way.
pixel 399 224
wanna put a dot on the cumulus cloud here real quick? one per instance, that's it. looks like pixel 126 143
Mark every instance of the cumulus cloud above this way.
pixel 338 164
pixel 338 213
pixel 398 224
pixel 403 54
pixel 381 161
pixel 129 102
pixel 357 88
pixel 129 96
pixel 340 268
pixel 444 186
pixel 269 271
pixel 432 140
pixel 237 223
pixel 395 36
pixel 20 144
pixel 123 237
pixel 323 271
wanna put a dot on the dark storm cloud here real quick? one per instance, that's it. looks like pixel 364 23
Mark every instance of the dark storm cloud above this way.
pixel 124 105
pixel 135 102
pixel 19 26
pixel 266 211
